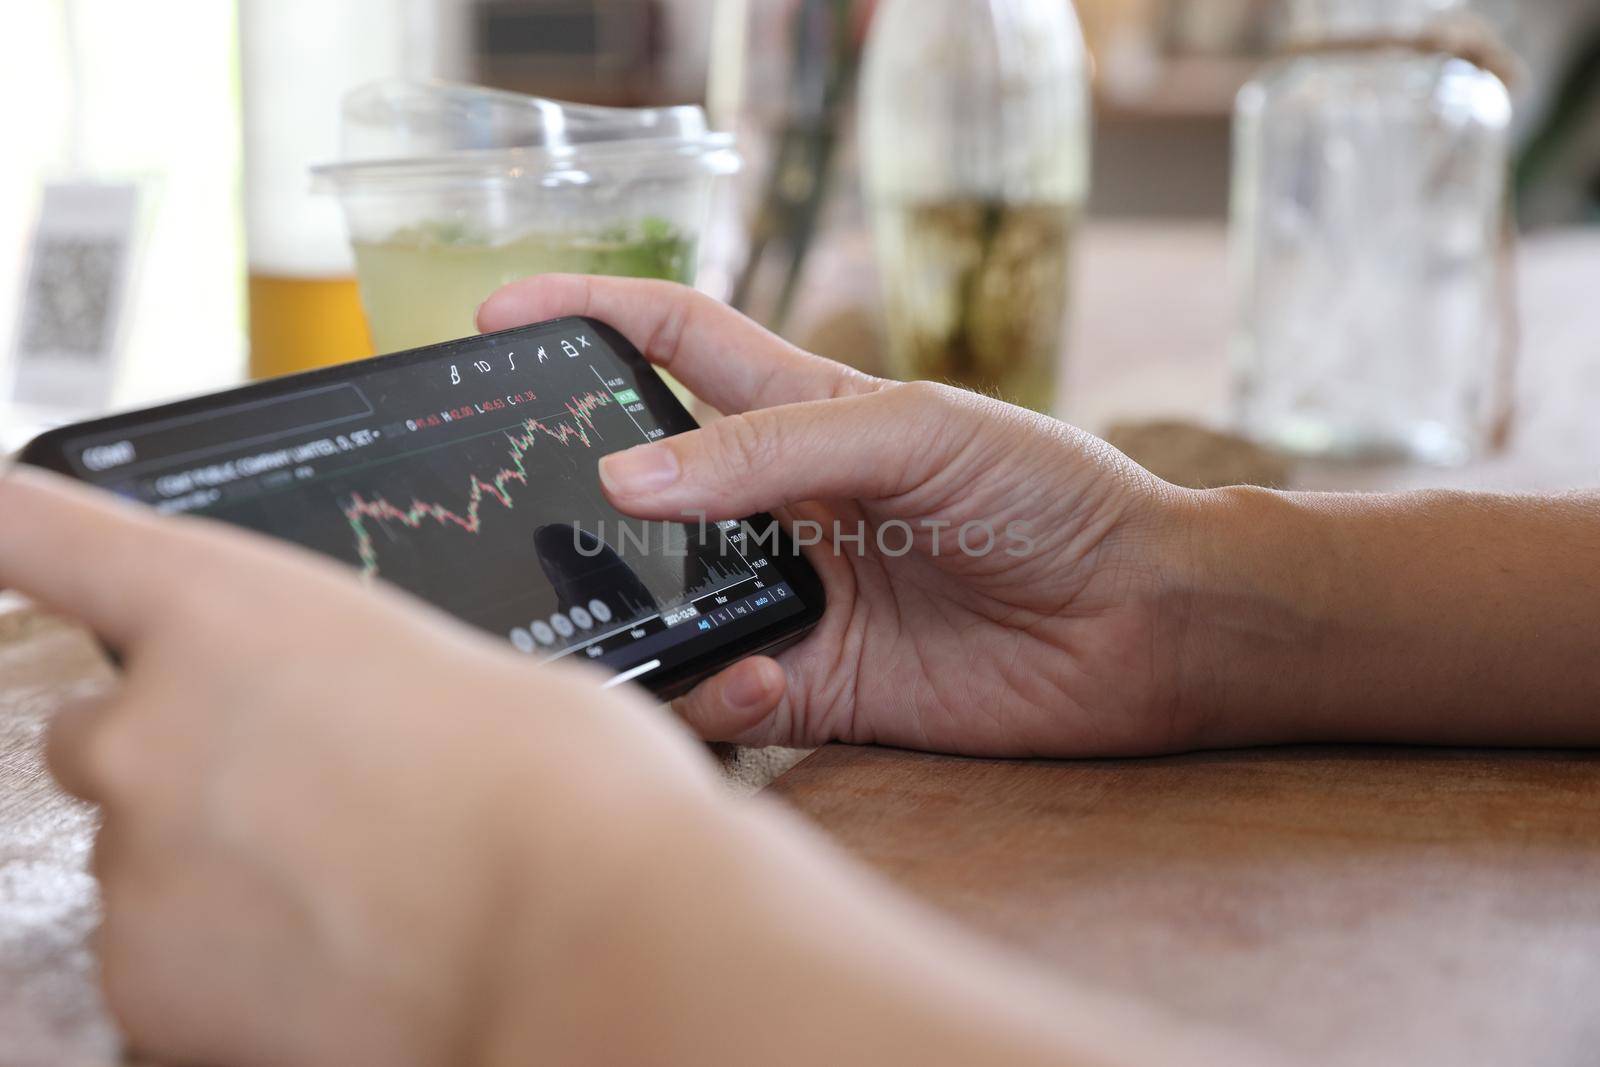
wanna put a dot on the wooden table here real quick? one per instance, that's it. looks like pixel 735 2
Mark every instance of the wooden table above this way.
pixel 1348 906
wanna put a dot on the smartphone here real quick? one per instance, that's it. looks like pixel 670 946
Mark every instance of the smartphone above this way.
pixel 468 474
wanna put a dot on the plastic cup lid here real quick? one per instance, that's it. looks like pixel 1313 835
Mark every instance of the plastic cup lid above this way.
pixel 410 131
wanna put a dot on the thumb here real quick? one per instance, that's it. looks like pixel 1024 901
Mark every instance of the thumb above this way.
pixel 883 444
pixel 743 705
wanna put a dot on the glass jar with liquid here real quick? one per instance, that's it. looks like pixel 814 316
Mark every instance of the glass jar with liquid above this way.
pixel 975 128
pixel 1371 236
pixel 451 191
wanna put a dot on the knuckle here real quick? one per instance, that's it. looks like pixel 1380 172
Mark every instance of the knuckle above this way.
pixel 109 761
pixel 681 302
pixel 850 382
pixel 744 445
pixel 945 412
pixel 926 424
pixel 920 396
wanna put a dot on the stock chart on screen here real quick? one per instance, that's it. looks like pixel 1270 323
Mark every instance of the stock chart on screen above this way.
pixel 469 478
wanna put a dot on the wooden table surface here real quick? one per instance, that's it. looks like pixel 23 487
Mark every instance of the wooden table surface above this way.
pixel 1344 905
pixel 1347 906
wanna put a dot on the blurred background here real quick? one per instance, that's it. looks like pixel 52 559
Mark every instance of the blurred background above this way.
pixel 158 219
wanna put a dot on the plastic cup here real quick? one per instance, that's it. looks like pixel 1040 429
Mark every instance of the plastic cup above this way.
pixel 450 192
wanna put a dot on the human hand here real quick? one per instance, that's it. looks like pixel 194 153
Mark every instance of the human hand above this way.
pixel 334 822
pixel 340 828
pixel 1011 595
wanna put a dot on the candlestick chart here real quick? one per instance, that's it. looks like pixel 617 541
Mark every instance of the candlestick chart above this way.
pixel 474 523
pixel 576 426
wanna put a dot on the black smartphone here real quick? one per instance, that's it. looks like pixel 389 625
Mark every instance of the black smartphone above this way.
pixel 467 473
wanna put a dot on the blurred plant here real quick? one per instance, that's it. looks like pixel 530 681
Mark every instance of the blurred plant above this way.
pixel 1558 176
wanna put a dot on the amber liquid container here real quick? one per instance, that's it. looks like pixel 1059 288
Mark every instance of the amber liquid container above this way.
pixel 300 324
pixel 298 59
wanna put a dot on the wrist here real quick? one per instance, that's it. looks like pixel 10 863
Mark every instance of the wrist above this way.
pixel 574 799
pixel 573 975
pixel 1246 590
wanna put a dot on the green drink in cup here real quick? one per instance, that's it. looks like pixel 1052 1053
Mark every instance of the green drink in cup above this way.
pixel 451 191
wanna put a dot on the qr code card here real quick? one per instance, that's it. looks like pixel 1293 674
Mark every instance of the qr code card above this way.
pixel 69 323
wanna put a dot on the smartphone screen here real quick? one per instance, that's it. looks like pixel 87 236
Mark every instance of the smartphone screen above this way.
pixel 467 474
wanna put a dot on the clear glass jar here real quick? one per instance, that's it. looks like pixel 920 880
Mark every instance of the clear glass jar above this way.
pixel 975 127
pixel 1371 238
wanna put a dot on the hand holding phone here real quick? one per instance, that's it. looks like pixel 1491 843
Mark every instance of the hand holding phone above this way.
pixel 467 474
pixel 997 580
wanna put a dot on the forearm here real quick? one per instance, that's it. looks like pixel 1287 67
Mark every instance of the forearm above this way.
pixel 741 938
pixel 1429 618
